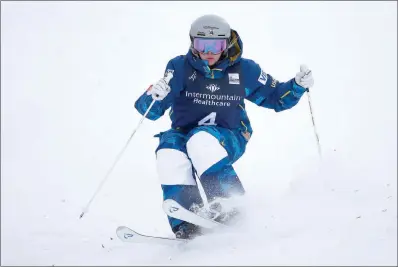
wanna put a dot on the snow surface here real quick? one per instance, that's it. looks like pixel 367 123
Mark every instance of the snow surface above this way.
pixel 71 72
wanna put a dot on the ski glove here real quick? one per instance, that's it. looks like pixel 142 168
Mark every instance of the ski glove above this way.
pixel 304 77
pixel 159 90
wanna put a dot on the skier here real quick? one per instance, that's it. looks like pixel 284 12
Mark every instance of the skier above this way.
pixel 210 128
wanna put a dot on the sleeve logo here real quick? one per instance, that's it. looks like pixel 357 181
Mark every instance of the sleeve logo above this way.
pixel 263 77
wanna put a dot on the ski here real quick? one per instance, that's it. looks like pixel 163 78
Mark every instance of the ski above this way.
pixel 173 209
pixel 128 235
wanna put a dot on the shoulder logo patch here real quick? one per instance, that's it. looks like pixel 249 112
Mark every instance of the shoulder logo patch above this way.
pixel 233 78
pixel 263 77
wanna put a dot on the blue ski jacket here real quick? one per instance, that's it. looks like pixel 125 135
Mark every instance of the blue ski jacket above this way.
pixel 203 95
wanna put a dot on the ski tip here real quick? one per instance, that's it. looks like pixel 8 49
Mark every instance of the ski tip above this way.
pixel 125 229
pixel 123 233
pixel 168 200
pixel 120 228
pixel 170 206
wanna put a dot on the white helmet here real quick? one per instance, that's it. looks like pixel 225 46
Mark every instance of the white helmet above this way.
pixel 210 26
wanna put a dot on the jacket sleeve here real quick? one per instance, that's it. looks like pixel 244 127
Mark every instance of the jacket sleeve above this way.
pixel 265 91
pixel 159 107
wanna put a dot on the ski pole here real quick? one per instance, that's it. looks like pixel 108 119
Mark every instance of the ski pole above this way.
pixel 313 124
pixel 85 210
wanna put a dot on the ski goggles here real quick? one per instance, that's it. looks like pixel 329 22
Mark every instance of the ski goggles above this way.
pixel 214 46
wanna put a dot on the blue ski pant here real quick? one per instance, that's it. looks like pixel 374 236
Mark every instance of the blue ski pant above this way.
pixel 208 152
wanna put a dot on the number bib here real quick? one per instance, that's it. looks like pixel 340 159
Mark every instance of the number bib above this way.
pixel 209 101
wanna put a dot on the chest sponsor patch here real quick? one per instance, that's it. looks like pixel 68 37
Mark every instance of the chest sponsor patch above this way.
pixel 233 78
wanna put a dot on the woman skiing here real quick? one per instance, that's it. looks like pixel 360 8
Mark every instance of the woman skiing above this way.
pixel 210 127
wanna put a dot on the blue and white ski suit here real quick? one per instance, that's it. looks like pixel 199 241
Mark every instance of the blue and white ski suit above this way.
pixel 210 127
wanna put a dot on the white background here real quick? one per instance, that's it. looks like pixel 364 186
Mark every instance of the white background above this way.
pixel 71 72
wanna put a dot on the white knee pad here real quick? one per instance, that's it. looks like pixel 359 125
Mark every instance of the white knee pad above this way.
pixel 174 167
pixel 204 151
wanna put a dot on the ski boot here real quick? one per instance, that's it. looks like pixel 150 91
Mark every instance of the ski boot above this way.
pixel 187 230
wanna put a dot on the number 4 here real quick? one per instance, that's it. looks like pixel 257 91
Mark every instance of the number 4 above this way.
pixel 211 118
